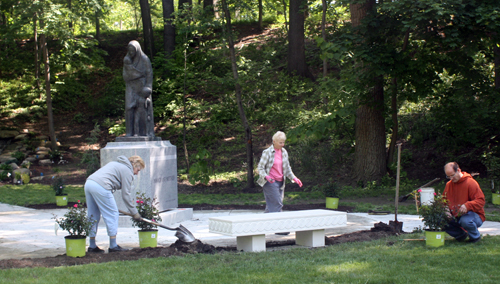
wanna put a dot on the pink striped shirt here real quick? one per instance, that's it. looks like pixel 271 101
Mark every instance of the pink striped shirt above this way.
pixel 276 171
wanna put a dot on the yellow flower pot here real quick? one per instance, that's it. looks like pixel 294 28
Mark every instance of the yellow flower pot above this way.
pixel 434 238
pixel 61 200
pixel 148 239
pixel 495 198
pixel 75 246
pixel 332 202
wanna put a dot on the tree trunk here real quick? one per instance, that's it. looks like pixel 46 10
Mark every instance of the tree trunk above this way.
pixel 168 28
pixel 395 124
pixel 248 130
pixel 209 4
pixel 370 155
pixel 323 35
pixel 296 46
pixel 70 23
pixel 284 15
pixel 147 29
pixel 37 64
pixel 394 109
pixel 497 67
pixel 97 27
pixel 45 52
pixel 260 15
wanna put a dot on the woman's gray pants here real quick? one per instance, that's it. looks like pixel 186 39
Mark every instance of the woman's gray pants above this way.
pixel 274 196
pixel 101 201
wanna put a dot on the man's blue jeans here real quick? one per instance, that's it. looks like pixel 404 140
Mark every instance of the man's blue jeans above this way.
pixel 468 222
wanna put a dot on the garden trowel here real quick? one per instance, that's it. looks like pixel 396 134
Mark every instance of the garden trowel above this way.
pixel 182 233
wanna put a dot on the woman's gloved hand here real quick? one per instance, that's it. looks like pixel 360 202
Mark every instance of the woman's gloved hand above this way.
pixel 270 179
pixel 137 217
pixel 297 181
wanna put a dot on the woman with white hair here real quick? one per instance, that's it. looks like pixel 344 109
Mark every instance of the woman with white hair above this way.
pixel 273 168
pixel 99 188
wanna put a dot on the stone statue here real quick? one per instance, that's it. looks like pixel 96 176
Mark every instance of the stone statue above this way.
pixel 138 77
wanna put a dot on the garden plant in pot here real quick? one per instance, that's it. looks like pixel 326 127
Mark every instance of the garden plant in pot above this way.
pixel 58 186
pixel 332 190
pixel 148 234
pixel 435 218
pixel 78 225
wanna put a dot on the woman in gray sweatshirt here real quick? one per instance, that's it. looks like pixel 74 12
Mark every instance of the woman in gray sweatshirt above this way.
pixel 99 188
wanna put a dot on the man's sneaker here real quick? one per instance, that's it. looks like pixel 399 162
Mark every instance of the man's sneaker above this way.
pixel 117 249
pixel 471 240
pixel 462 238
pixel 95 250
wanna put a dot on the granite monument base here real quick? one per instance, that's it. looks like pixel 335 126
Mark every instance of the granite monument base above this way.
pixel 157 180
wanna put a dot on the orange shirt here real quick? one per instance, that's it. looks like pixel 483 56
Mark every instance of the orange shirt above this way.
pixel 465 191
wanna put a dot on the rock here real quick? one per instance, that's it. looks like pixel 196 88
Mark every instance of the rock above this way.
pixel 39 153
pixel 14 166
pixel 22 136
pixel 8 133
pixel 45 162
pixel 43 149
pixel 26 162
pixel 11 147
pixel 30 159
pixel 7 158
pixel 42 137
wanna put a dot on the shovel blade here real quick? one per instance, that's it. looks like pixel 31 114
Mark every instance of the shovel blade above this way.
pixel 184 235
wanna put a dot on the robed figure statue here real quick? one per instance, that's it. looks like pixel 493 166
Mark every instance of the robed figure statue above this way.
pixel 138 77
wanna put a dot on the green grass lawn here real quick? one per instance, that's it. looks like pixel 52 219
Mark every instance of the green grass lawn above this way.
pixel 31 194
pixel 382 261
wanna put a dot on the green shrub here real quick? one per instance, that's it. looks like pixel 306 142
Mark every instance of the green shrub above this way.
pixel 18 155
pixel 5 167
pixel 58 185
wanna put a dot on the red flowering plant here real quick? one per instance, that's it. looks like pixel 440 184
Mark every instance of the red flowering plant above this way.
pixel 435 215
pixel 75 221
pixel 145 207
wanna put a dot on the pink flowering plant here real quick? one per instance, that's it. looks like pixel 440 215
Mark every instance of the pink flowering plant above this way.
pixel 435 215
pixel 145 207
pixel 75 221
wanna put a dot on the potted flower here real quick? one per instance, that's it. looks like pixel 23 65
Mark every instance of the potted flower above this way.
pixel 331 190
pixel 435 217
pixel 58 186
pixel 148 234
pixel 78 225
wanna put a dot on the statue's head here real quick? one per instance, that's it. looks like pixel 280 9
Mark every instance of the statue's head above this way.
pixel 133 48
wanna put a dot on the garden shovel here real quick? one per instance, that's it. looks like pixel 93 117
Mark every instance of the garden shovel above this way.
pixel 182 233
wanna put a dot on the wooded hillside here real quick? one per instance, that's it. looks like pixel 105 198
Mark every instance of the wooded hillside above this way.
pixel 346 81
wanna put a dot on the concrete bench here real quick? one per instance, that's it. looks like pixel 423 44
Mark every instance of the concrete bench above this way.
pixel 250 230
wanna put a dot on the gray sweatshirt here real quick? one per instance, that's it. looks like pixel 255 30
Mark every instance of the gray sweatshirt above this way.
pixel 115 176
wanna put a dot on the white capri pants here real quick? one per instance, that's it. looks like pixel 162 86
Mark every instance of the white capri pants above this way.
pixel 101 201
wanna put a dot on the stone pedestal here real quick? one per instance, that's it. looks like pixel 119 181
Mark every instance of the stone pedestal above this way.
pixel 158 179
